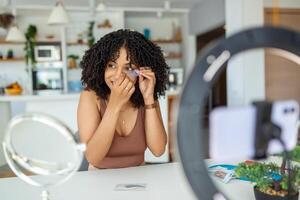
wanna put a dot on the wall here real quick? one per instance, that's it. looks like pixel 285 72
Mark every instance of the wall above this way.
pixel 206 15
pixel 189 46
pixel 283 3
pixel 161 30
pixel 245 73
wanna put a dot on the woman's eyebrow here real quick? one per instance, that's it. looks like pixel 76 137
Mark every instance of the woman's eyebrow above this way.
pixel 129 64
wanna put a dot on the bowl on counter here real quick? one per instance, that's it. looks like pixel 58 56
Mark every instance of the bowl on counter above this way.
pixel 13 91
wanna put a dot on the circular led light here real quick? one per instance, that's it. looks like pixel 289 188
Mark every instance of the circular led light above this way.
pixel 195 92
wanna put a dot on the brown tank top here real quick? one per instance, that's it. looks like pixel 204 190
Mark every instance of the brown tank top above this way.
pixel 126 151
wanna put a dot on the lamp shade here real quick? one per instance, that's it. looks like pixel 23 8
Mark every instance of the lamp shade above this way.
pixel 15 35
pixel 101 7
pixel 58 16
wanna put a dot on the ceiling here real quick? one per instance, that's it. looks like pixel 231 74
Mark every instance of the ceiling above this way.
pixel 184 4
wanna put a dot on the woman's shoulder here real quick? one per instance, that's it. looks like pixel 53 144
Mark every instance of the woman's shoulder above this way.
pixel 89 96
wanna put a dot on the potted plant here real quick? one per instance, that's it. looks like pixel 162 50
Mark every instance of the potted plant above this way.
pixel 271 182
pixel 10 54
pixel 90 34
pixel 72 61
pixel 30 44
pixel 295 154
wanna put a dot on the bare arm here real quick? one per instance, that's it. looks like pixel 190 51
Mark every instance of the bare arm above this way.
pixel 155 131
pixel 95 132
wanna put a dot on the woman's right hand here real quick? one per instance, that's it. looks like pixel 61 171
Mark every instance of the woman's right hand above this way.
pixel 121 92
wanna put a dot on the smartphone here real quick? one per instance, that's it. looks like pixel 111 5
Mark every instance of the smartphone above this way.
pixel 232 130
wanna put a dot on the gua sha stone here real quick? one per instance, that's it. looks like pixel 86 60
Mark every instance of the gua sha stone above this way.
pixel 133 73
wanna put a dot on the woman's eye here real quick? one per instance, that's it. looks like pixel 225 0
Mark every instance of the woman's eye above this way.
pixel 129 68
pixel 111 66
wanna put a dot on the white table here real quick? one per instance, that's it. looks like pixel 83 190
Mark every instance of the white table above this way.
pixel 164 182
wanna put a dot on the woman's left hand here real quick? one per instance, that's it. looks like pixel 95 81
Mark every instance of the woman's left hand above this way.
pixel 147 82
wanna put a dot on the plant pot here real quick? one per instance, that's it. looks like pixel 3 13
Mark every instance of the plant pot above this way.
pixel 263 196
pixel 72 63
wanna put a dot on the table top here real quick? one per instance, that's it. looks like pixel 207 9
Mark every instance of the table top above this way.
pixel 163 181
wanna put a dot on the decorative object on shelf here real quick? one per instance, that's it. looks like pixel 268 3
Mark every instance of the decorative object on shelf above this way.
pixel 59 15
pixel 14 34
pixel 13 89
pixel 72 64
pixel 101 6
pixel 80 38
pixel 90 34
pixel 50 36
pixel 172 81
pixel 147 33
pixel 30 44
pixel 159 14
pixel 1 55
pixel 74 86
pixel 10 54
pixel 167 5
pixel 105 24
pixel 178 35
pixel 6 20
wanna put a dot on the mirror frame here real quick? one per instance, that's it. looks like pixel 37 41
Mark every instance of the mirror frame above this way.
pixel 10 153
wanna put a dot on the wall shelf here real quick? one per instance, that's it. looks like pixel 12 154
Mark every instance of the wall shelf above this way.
pixel 76 43
pixel 173 56
pixel 12 60
pixel 155 41
pixel 166 41
pixel 37 41
pixel 6 42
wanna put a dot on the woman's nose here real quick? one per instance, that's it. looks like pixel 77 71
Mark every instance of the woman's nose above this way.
pixel 118 73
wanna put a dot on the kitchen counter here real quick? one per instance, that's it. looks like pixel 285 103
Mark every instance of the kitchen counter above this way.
pixel 62 96
pixel 65 96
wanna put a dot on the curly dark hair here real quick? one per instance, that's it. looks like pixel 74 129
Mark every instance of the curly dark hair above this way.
pixel 141 51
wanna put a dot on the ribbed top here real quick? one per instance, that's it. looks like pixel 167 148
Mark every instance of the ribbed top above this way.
pixel 126 151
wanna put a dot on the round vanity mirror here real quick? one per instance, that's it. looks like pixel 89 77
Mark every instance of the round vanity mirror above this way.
pixel 41 150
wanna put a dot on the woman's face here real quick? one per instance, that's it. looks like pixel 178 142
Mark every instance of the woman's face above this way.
pixel 114 69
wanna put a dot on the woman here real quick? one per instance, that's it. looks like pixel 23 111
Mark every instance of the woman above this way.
pixel 118 112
